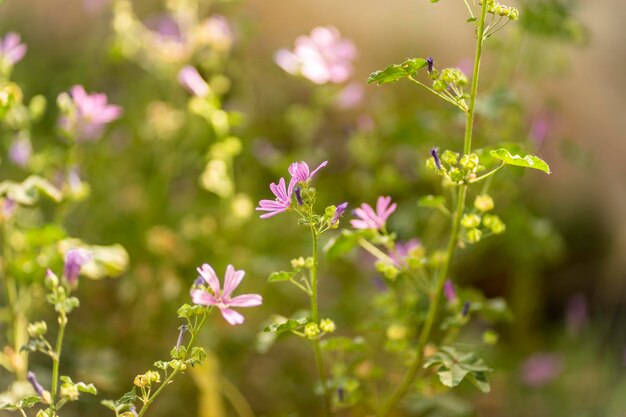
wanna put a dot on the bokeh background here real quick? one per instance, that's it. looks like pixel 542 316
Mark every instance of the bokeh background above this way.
pixel 555 83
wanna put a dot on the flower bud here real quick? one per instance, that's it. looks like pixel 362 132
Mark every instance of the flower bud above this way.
pixel 470 221
pixel 327 325
pixel 311 330
pixel 450 158
pixel 69 391
pixel 435 156
pixel 37 329
pixel 483 202
pixel 396 332
pixel 75 258
pixel 141 381
pixel 474 235
pixel 153 376
pixel 439 85
pixel 51 281
pixel 493 223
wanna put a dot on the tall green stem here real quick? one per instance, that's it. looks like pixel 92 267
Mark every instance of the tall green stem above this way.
pixel 315 317
pixel 435 296
pixel 175 372
pixel 56 360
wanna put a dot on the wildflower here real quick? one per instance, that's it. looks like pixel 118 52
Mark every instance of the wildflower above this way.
pixel 431 63
pixel 221 298
pixel 368 219
pixel 75 258
pixel 189 78
pixel 11 50
pixel 32 378
pixel 20 152
pixel 541 368
pixel 282 202
pixel 350 97
pixel 435 155
pixel 341 208
pixel 300 171
pixel 89 115
pixel 323 57
pixel 403 251
pixel 449 291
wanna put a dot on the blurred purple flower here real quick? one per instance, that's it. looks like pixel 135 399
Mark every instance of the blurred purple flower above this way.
pixel 466 309
pixel 576 315
pixel 365 123
pixel 541 368
pixel 189 78
pixel 75 258
pixel 11 49
pixel 300 172
pixel 539 128
pixel 403 250
pixel 368 219
pixel 32 378
pixel 323 57
pixel 20 152
pixel 92 113
pixel 221 298
pixel 350 96
pixel 449 292
pixel 282 202
pixel 8 208
pixel 341 208
pixel 216 31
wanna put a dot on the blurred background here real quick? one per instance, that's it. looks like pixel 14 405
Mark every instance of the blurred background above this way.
pixel 177 188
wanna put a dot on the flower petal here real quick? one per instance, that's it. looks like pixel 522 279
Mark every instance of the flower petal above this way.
pixel 202 297
pixel 232 280
pixel 231 316
pixel 246 300
pixel 210 277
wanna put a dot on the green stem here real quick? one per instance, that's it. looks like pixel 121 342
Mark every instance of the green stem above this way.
pixel 175 372
pixel 56 359
pixel 321 370
pixel 416 365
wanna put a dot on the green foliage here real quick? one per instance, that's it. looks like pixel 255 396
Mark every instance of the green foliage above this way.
pixel 287 326
pixel 454 366
pixel 527 161
pixel 396 72
pixel 28 191
pixel 280 276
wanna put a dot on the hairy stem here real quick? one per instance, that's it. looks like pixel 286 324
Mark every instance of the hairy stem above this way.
pixel 319 362
pixel 435 296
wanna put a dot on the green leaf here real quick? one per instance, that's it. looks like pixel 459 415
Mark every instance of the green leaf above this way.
pixel 286 326
pixel 342 244
pixel 281 276
pixel 28 191
pixel 527 161
pixel 479 380
pixel 7 406
pixel 86 388
pixel 431 201
pixel 453 376
pixel 110 404
pixel 128 398
pixel 396 72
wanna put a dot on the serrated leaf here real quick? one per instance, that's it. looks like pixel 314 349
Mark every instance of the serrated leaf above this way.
pixel 431 201
pixel 396 72
pixel 342 244
pixel 128 398
pixel 29 401
pixel 527 161
pixel 280 276
pixel 290 324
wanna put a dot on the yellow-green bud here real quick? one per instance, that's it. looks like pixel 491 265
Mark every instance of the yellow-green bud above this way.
pixel 297 263
pixel 493 223
pixel 153 376
pixel 37 106
pixel 387 270
pixel 69 391
pixel 450 158
pixel 396 332
pixel 308 262
pixel 474 235
pixel 470 221
pixel 327 325
pixel 37 329
pixel 439 85
pixel 483 202
pixel 470 161
pixel 311 330
pixel 141 381
pixel 456 175
pixel 176 364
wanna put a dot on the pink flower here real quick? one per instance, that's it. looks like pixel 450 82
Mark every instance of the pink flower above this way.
pixel 92 113
pixel 449 292
pixel 11 50
pixel 221 298
pixel 282 202
pixel 189 78
pixel 368 219
pixel 300 171
pixel 350 97
pixel 403 251
pixel 323 57
pixel 541 368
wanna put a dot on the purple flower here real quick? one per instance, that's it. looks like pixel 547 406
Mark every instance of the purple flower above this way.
pixel 435 155
pixel 8 208
pixel 75 258
pixel 300 171
pixel 11 49
pixel 92 113
pixel 298 196
pixel 221 298
pixel 282 202
pixel 431 63
pixel 403 250
pixel 323 57
pixel 217 33
pixel 189 78
pixel 541 368
pixel 20 152
pixel 182 329
pixel 341 208
pixel 449 292
pixel 368 219
pixel 32 378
